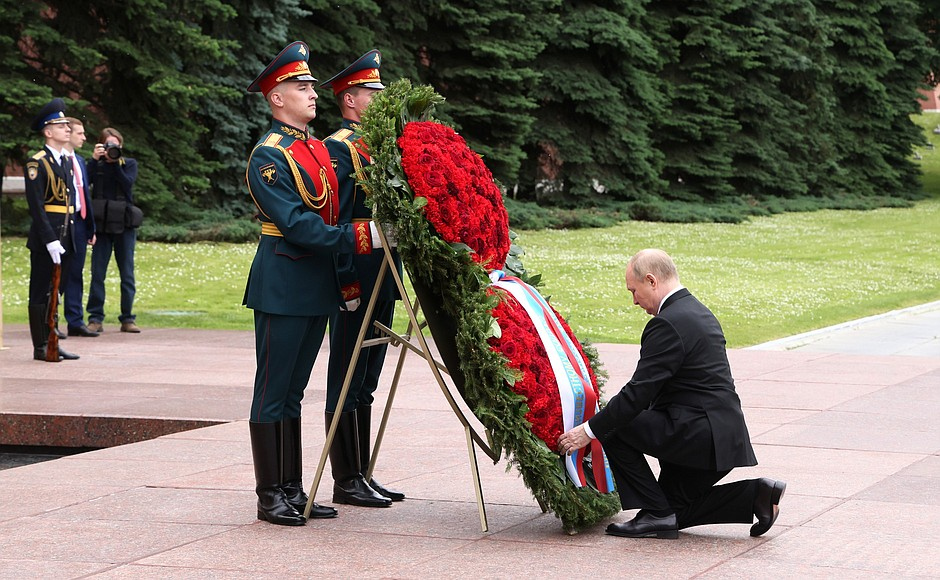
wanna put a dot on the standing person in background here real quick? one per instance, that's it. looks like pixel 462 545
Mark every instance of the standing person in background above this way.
pixel 51 199
pixel 680 407
pixel 293 285
pixel 350 452
pixel 112 178
pixel 84 234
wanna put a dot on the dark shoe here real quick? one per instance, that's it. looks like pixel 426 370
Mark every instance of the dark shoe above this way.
pixel 265 453
pixel 66 355
pixel 364 424
pixel 645 525
pixel 389 493
pixel 766 509
pixel 129 326
pixel 357 492
pixel 81 331
pixel 60 334
pixel 95 326
pixel 40 354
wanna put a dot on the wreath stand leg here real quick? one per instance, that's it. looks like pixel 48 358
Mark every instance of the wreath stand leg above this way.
pixel 390 336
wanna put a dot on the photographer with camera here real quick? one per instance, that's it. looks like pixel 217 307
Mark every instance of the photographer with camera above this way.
pixel 112 177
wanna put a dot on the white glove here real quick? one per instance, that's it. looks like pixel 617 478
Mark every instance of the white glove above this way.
pixel 376 240
pixel 352 305
pixel 56 251
pixel 389 235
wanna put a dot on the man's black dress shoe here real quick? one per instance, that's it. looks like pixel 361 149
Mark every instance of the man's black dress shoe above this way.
pixel 66 355
pixel 768 496
pixel 81 331
pixel 645 525
pixel 389 493
pixel 40 354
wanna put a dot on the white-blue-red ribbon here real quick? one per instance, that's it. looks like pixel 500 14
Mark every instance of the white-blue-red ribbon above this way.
pixel 575 390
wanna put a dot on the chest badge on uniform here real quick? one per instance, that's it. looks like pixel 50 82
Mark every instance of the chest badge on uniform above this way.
pixel 268 173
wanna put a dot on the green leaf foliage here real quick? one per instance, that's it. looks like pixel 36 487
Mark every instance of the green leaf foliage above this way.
pixel 606 108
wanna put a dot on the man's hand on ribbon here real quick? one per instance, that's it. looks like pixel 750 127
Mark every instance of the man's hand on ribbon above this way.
pixel 56 251
pixel 352 305
pixel 573 440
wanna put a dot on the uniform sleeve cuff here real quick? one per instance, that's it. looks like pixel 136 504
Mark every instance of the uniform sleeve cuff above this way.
pixel 363 237
pixel 352 291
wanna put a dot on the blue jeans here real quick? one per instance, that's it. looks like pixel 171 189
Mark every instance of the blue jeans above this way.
pixel 122 246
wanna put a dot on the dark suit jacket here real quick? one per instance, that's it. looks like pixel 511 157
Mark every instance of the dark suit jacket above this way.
pixel 681 406
pixel 86 202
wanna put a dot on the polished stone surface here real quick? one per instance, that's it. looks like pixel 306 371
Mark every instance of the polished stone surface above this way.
pixel 853 434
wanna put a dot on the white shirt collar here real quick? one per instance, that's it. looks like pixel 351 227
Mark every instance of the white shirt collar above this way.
pixel 666 297
pixel 57 153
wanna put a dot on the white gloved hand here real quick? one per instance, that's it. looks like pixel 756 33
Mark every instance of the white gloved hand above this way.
pixel 389 235
pixel 376 240
pixel 352 305
pixel 56 251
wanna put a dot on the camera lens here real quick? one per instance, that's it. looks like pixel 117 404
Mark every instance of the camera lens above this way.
pixel 112 151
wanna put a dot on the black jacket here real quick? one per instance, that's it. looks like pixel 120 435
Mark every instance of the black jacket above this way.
pixel 682 395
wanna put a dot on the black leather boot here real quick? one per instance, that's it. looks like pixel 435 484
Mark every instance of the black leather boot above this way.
pixel 348 485
pixel 292 471
pixel 265 453
pixel 364 419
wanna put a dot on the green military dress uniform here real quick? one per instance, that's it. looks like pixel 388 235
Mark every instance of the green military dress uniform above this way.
pixel 358 274
pixel 350 453
pixel 292 287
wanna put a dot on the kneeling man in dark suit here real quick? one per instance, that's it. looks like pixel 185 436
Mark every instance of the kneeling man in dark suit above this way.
pixel 681 408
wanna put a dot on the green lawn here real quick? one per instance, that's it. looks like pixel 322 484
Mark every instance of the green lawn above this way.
pixel 765 279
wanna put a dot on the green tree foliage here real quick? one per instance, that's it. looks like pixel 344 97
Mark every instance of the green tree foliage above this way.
pixel 773 155
pixel 867 101
pixel 702 65
pixel 598 94
pixel 898 20
pixel 143 68
pixel 723 107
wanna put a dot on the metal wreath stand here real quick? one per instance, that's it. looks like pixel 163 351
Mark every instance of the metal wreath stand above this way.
pixel 395 339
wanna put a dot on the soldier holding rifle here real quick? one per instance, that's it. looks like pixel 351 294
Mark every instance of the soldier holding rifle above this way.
pixel 51 198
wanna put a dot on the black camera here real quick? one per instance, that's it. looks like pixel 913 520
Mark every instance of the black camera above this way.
pixel 113 151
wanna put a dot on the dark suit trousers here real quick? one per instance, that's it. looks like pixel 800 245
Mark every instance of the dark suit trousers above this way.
pixel 73 282
pixel 691 493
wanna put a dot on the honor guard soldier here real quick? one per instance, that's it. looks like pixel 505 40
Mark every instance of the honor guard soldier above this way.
pixel 350 454
pixel 50 194
pixel 293 286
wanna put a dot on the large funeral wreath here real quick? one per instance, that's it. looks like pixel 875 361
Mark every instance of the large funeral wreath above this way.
pixel 452 229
